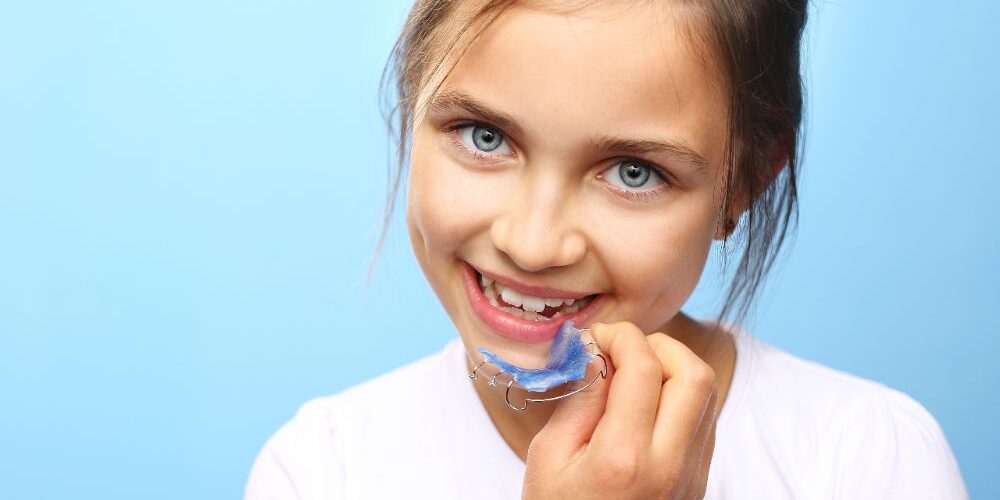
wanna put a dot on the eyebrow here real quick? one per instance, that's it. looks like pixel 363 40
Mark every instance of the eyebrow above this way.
pixel 679 150
pixel 451 99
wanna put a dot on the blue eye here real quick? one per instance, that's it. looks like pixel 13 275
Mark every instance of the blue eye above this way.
pixel 483 139
pixel 633 175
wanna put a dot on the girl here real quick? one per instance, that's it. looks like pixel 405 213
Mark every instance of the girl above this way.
pixel 576 160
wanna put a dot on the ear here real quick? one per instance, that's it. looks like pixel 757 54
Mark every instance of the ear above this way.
pixel 778 160
pixel 724 227
pixel 779 155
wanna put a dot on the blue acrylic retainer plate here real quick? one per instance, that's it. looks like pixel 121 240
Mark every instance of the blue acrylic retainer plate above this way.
pixel 567 361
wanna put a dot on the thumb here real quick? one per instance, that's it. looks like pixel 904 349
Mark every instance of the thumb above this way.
pixel 573 421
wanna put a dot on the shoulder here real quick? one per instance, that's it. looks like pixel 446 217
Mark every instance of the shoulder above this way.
pixel 792 384
pixel 853 434
pixel 891 445
pixel 308 456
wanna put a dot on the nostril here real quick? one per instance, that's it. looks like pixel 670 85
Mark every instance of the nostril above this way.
pixel 537 243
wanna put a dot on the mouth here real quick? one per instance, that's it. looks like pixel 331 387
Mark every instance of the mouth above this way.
pixel 526 314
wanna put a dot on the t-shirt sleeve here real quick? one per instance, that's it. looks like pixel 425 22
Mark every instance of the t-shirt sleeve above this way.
pixel 270 478
pixel 298 462
pixel 898 451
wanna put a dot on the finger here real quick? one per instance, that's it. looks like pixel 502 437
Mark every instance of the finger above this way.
pixel 634 390
pixel 703 450
pixel 704 440
pixel 684 398
pixel 572 423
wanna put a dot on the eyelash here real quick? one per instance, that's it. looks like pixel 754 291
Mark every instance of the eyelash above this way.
pixel 641 196
pixel 636 196
pixel 453 134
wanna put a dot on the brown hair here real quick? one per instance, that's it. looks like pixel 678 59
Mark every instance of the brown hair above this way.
pixel 756 47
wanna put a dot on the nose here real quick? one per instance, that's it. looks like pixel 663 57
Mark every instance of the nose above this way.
pixel 537 231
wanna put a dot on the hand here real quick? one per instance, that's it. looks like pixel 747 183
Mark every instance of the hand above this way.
pixel 647 431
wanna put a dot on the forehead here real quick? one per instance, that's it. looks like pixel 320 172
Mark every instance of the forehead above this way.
pixel 630 68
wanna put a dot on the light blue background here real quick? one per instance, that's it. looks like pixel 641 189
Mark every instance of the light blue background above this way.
pixel 189 192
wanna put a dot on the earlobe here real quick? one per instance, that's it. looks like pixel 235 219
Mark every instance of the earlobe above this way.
pixel 779 156
pixel 725 228
pixel 777 165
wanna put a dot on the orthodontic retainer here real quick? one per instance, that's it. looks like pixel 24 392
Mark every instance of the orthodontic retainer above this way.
pixel 567 361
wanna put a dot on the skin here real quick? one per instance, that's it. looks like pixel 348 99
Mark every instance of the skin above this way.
pixel 547 211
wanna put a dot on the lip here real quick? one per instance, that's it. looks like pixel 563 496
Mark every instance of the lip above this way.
pixel 521 329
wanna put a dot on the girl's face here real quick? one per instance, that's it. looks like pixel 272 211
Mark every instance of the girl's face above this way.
pixel 568 155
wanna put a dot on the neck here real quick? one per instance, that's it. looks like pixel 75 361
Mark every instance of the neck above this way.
pixel 518 428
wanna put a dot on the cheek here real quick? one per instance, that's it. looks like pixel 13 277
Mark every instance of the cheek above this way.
pixel 656 259
pixel 446 203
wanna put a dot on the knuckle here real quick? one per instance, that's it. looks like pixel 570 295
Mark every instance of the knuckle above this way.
pixel 664 344
pixel 620 471
pixel 669 477
pixel 603 333
pixel 702 376
pixel 658 338
pixel 538 449
pixel 622 333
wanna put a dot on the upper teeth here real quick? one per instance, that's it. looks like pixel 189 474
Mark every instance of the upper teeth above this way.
pixel 522 300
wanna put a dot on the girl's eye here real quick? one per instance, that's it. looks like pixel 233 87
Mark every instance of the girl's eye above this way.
pixel 633 176
pixel 482 139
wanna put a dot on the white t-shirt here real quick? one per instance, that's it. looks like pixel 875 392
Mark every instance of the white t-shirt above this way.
pixel 789 429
